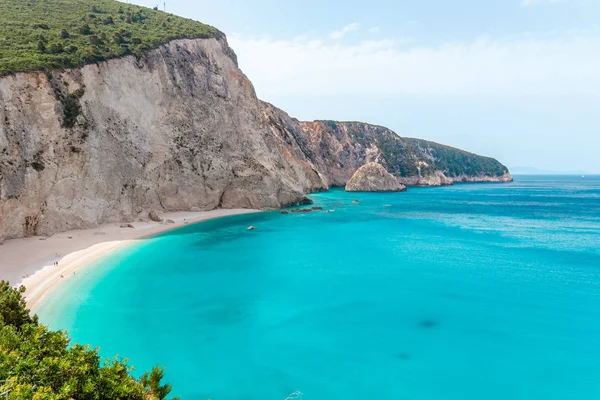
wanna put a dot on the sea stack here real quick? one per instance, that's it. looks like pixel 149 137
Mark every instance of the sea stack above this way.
pixel 372 177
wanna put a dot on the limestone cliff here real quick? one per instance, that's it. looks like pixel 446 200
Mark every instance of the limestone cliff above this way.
pixel 178 129
pixel 372 177
pixel 338 149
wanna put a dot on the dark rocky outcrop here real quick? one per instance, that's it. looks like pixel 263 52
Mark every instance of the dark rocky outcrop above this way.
pixel 153 215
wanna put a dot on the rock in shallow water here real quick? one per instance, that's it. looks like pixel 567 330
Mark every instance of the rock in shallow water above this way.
pixel 305 201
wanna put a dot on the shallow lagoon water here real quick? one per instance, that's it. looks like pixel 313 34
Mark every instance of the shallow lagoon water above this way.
pixel 479 291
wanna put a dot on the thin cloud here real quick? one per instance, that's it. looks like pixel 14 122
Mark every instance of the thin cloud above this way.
pixel 337 35
pixel 527 65
pixel 527 3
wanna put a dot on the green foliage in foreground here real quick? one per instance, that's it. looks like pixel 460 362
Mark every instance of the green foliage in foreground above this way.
pixel 36 363
pixel 46 34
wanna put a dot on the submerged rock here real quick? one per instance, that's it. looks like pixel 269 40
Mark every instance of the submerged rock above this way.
pixel 428 324
pixel 303 210
pixel 372 177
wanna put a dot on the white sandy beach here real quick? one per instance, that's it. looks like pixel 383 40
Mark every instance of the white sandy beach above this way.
pixel 30 261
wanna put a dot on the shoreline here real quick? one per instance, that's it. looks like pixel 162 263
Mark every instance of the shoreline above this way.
pixel 30 262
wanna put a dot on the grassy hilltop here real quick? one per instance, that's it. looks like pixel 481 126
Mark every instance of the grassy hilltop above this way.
pixel 45 34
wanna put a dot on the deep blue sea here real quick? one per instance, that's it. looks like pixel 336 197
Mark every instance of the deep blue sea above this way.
pixel 476 291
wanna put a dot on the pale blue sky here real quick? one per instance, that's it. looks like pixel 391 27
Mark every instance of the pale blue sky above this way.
pixel 514 79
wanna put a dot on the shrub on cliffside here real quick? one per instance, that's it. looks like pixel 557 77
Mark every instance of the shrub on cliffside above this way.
pixel 36 363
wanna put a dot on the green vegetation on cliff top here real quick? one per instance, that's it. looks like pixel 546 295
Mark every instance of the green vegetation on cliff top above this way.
pixel 36 363
pixel 48 34
pixel 455 162
pixel 404 157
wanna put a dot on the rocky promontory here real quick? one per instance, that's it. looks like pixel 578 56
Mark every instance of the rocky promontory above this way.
pixel 336 149
pixel 174 125
pixel 372 177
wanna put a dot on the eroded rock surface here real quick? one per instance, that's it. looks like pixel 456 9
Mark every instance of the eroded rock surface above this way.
pixel 372 177
pixel 337 149
pixel 179 129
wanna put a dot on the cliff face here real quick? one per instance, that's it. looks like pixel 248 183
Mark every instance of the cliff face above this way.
pixel 179 129
pixel 458 165
pixel 338 149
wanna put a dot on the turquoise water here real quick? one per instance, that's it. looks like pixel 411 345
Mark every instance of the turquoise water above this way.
pixel 465 292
